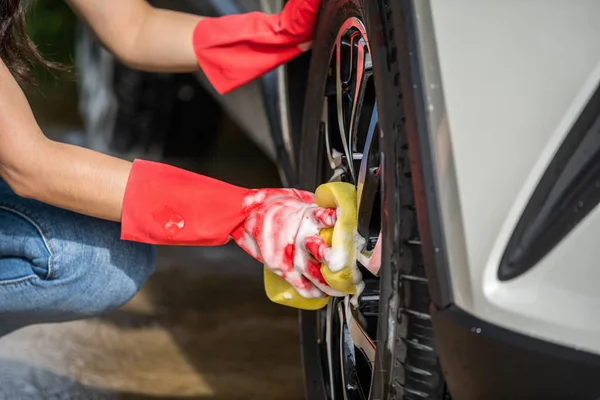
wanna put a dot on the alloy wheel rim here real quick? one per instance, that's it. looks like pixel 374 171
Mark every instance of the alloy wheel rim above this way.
pixel 350 133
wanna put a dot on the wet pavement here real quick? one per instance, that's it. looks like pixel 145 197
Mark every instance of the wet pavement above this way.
pixel 200 329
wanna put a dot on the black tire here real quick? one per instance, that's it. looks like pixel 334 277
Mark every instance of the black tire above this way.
pixel 407 367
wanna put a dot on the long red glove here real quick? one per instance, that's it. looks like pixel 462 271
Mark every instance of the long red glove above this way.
pixel 235 49
pixel 279 227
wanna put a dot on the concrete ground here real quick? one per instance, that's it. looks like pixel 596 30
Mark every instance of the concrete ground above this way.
pixel 200 329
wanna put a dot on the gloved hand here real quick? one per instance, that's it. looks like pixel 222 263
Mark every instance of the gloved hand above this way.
pixel 279 227
pixel 235 49
pixel 282 231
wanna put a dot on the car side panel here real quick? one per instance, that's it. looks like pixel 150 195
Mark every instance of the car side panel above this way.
pixel 504 86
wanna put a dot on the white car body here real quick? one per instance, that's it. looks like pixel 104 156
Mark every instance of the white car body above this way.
pixel 504 88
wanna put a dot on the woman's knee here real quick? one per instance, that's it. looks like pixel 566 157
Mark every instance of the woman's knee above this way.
pixel 103 279
pixel 62 265
pixel 89 283
pixel 86 281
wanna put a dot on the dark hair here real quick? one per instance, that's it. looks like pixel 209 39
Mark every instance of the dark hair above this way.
pixel 17 50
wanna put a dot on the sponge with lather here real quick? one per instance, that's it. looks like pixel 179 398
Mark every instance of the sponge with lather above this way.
pixel 342 273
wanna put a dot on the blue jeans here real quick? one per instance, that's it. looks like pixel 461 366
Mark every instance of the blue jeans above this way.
pixel 56 265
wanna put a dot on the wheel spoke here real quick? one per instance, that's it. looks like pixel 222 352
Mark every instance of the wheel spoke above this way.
pixel 329 344
pixel 371 260
pixel 362 71
pixel 368 188
pixel 351 51
pixel 360 338
pixel 338 175
pixel 365 176
pixel 325 123
pixel 350 378
pixel 339 88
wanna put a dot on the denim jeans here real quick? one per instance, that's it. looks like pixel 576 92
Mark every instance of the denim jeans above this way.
pixel 57 265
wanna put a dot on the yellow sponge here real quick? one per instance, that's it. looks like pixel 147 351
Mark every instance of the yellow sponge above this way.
pixel 342 275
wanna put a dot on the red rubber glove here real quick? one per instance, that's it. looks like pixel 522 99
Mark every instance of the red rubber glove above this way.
pixel 282 231
pixel 279 227
pixel 235 49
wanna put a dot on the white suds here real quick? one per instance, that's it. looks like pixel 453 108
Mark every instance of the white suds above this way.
pixel 360 286
pixel 361 242
pixel 336 259
pixel 335 153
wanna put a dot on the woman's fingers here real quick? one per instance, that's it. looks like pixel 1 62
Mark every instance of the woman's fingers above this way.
pixel 313 274
pixel 325 217
pixel 317 247
pixel 303 285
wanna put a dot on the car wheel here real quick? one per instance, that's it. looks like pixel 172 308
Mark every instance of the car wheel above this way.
pixel 383 348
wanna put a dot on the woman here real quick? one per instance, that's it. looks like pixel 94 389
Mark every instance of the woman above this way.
pixel 77 227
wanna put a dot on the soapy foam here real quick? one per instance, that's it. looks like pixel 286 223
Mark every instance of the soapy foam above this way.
pixel 338 258
pixel 361 242
pixel 254 198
